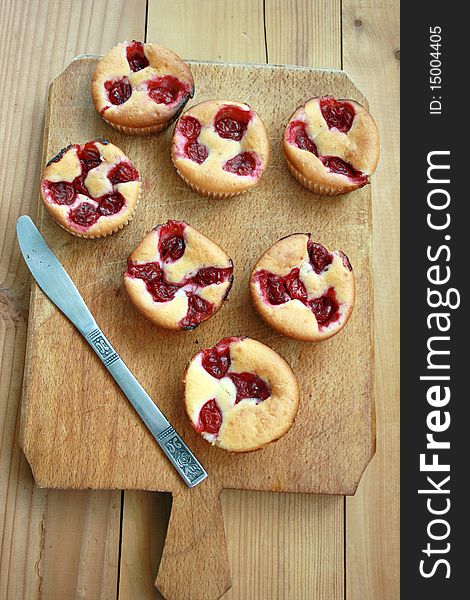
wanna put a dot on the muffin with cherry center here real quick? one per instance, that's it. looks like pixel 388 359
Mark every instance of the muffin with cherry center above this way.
pixel 331 146
pixel 303 290
pixel 90 189
pixel 177 277
pixel 240 395
pixel 140 88
pixel 220 148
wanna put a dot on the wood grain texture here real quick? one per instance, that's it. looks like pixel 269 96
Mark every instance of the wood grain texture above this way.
pixel 218 30
pixel 371 57
pixel 38 39
pixel 83 562
pixel 85 441
pixel 304 32
pixel 284 546
pixel 144 527
pixel 195 564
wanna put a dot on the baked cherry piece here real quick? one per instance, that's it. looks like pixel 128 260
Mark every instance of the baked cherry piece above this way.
pixel 189 127
pixel 331 146
pixel 231 122
pixel 171 244
pixel 243 165
pixel 303 290
pixel 111 204
pixel 196 152
pixel 240 394
pixel 337 114
pixel 319 256
pixel 136 58
pixel 177 277
pixel 166 90
pixel 119 91
pixel 84 215
pixel 60 192
pixel 122 173
pixel 90 189
pixel 210 418
pixel 220 148
pixel 140 88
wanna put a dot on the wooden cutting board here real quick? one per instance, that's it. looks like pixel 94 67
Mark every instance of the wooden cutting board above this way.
pixel 79 431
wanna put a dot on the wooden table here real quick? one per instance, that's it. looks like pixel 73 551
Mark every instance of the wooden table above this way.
pixel 102 545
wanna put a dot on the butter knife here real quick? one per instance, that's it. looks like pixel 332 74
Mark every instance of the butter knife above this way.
pixel 54 281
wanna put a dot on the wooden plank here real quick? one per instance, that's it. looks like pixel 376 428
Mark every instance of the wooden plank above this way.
pixel 371 57
pixel 81 561
pixel 38 39
pixel 284 546
pixel 266 533
pixel 145 520
pixel 219 30
pixel 304 32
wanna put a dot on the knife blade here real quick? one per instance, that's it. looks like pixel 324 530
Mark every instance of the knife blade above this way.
pixel 55 282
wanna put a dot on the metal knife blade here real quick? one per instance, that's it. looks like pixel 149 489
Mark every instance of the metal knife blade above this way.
pixel 55 282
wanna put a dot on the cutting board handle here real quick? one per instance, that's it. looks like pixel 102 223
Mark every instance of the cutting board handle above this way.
pixel 194 563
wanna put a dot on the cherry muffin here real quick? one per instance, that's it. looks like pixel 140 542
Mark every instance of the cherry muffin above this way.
pixel 177 277
pixel 331 146
pixel 90 189
pixel 220 148
pixel 240 395
pixel 302 290
pixel 141 88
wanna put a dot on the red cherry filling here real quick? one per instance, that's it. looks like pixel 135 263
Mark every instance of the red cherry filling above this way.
pixel 345 260
pixel 122 173
pixel 161 291
pixel 79 184
pixel 319 256
pixel 61 192
pixel 111 204
pixel 295 288
pixel 297 135
pixel 325 308
pixel 172 248
pixel 196 152
pixel 164 90
pixel 136 56
pixel 339 115
pixel 84 215
pixel 118 91
pixel 148 271
pixel 243 164
pixel 211 275
pixel 171 244
pixel 189 127
pixel 198 310
pixel 337 165
pixel 249 385
pixel 210 418
pixel 273 287
pixel 216 360
pixel 89 157
pixel 231 122
pixel 279 290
